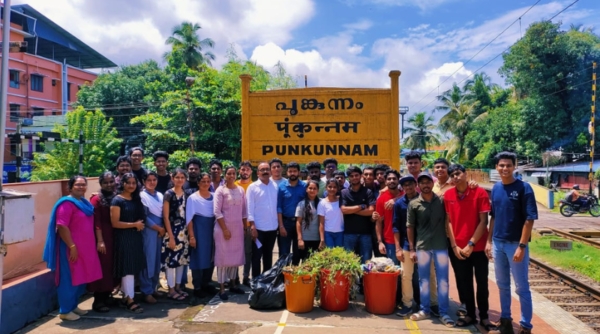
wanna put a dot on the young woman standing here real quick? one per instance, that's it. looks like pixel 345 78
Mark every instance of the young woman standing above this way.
pixel 230 211
pixel 311 234
pixel 127 216
pixel 153 235
pixel 175 243
pixel 330 215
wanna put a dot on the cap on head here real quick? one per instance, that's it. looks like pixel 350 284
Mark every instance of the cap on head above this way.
pixel 576 187
pixel 406 178
pixel 424 174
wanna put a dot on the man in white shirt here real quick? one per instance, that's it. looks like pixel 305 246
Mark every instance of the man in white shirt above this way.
pixel 261 198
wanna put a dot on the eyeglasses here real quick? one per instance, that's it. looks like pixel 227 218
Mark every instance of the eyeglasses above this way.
pixel 264 170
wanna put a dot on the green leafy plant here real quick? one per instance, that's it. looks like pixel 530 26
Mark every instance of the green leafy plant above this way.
pixel 336 260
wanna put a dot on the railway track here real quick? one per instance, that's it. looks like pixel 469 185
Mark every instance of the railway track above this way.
pixel 576 297
pixel 575 237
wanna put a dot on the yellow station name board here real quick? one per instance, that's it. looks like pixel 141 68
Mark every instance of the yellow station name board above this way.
pixel 353 125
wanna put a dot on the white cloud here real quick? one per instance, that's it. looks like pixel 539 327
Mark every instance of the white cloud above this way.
pixel 422 4
pixel 363 24
pixel 128 32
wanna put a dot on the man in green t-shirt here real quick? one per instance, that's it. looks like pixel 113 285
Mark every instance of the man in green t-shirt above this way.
pixel 427 220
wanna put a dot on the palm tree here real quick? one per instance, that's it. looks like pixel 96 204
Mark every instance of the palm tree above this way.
pixel 479 88
pixel 450 98
pixel 458 121
pixel 421 132
pixel 185 40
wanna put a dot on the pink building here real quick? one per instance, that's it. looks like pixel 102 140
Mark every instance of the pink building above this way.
pixel 45 79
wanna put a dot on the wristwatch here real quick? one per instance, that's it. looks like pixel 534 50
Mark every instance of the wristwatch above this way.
pixel 362 206
pixel 522 245
pixel 471 243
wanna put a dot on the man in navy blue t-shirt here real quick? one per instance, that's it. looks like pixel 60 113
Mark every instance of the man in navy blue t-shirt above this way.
pixel 513 212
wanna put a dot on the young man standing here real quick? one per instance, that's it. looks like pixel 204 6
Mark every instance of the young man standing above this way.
pixel 440 170
pixel 369 180
pixel 261 199
pixel 427 219
pixel 193 166
pixel 216 174
pixel 380 175
pixel 244 181
pixel 466 220
pixel 358 204
pixel 161 162
pixel 136 155
pixel 413 163
pixel 314 173
pixel 331 165
pixel 290 192
pixel 276 166
pixel 513 212
pixel 410 276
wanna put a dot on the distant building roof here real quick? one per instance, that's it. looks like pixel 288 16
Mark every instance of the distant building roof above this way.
pixel 45 123
pixel 580 167
pixel 53 42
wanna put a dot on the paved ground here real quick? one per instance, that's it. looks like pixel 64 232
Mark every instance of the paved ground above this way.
pixel 234 316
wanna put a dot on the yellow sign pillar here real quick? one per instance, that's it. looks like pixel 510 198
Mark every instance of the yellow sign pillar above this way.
pixel 353 125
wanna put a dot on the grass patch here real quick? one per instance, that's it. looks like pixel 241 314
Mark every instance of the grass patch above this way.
pixel 558 195
pixel 583 259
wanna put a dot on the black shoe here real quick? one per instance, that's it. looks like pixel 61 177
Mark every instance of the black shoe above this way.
pixel 435 310
pixel 210 290
pixel 199 294
pixel 246 281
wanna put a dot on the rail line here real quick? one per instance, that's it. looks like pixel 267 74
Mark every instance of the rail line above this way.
pixel 576 297
pixel 574 237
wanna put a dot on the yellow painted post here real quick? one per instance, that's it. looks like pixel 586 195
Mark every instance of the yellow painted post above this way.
pixel 246 78
pixel 395 140
pixel 593 132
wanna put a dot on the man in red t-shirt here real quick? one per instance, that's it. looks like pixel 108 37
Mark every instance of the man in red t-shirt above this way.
pixel 384 217
pixel 466 221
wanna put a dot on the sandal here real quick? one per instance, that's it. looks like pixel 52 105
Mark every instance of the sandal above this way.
pixel 133 307
pixel 447 321
pixel 463 322
pixel 420 316
pixel 181 292
pixel 100 308
pixel 489 326
pixel 176 296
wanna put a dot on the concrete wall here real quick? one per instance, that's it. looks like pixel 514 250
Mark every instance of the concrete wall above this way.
pixel 26 257
pixel 543 195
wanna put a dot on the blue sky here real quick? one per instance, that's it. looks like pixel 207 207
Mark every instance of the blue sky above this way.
pixel 344 43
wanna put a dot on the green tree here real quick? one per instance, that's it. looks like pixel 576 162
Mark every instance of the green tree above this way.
pixel 550 70
pixel 459 121
pixel 121 95
pixel 421 132
pixel 450 98
pixel 62 161
pixel 479 89
pixel 185 41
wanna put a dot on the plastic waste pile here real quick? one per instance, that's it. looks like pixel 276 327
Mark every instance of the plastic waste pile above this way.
pixel 380 265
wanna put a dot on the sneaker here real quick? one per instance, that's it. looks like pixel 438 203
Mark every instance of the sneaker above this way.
pixel 404 311
pixel 435 310
pixel 71 316
pixel 79 311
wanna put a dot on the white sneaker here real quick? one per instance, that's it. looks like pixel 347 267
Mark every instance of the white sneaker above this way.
pixel 79 311
pixel 71 316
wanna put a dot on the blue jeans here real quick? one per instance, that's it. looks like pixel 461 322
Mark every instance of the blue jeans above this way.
pixel 504 265
pixel 390 252
pixel 361 244
pixel 441 263
pixel 334 239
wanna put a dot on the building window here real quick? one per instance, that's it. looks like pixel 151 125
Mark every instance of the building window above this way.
pixel 14 79
pixel 15 112
pixel 68 91
pixel 38 111
pixel 37 83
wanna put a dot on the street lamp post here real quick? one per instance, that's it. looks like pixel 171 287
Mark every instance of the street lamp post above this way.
pixel 402 111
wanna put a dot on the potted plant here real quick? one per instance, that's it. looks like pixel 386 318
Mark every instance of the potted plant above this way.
pixel 300 283
pixel 338 271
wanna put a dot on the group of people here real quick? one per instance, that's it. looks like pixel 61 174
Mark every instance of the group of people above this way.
pixel 145 222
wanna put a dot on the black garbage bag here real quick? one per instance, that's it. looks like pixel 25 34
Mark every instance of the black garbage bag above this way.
pixel 268 289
